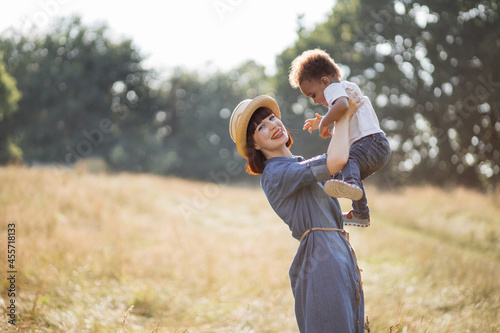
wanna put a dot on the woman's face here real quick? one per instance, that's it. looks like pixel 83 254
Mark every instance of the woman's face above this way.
pixel 270 135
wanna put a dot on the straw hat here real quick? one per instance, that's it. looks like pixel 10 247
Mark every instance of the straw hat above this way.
pixel 241 116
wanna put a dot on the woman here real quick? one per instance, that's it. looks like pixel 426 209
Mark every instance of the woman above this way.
pixel 325 278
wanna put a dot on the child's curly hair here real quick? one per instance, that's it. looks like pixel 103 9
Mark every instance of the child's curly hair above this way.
pixel 312 64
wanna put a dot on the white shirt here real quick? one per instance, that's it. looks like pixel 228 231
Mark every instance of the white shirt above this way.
pixel 364 121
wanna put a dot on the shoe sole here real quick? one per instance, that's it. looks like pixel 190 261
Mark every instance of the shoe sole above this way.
pixel 339 189
pixel 354 224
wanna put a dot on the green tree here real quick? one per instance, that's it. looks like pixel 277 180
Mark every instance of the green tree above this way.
pixel 81 93
pixel 194 119
pixel 430 69
pixel 84 95
pixel 9 97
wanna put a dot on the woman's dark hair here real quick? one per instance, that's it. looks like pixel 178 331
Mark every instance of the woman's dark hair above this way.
pixel 255 163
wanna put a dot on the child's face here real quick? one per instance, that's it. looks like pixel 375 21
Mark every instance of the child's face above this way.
pixel 314 89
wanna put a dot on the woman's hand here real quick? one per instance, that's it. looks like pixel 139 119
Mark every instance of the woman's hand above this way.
pixel 355 101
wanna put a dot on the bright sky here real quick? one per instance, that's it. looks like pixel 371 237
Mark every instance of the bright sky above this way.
pixel 188 33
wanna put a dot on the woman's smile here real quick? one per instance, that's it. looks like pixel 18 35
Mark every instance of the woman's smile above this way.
pixel 278 134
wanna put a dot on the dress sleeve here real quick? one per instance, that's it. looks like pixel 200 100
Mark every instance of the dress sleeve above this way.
pixel 287 178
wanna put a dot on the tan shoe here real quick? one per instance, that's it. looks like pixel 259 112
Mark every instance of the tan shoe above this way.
pixel 340 189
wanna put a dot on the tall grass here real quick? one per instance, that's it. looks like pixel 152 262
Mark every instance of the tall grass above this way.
pixel 197 257
pixel 430 258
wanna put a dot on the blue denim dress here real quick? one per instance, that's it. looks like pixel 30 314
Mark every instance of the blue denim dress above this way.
pixel 324 274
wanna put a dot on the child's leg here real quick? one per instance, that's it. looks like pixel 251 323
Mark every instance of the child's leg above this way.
pixel 366 156
pixel 377 153
pixel 352 174
pixel 360 207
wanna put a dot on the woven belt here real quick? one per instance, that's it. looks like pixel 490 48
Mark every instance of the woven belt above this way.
pixel 345 232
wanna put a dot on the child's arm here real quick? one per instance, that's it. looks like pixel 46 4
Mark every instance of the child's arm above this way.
pixel 335 112
pixel 338 149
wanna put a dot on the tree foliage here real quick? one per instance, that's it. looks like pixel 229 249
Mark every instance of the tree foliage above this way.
pixel 9 97
pixel 77 86
pixel 432 71
pixel 85 95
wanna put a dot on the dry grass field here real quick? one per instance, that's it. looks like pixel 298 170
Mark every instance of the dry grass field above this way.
pixel 199 257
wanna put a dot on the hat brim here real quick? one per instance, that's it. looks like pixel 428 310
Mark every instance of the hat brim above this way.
pixel 241 117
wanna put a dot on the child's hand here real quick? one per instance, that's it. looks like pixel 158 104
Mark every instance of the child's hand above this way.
pixel 324 130
pixel 313 123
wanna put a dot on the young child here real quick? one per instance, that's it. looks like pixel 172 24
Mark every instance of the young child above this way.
pixel 318 77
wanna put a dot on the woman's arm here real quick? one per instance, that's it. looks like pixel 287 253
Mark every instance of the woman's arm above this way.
pixel 338 150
